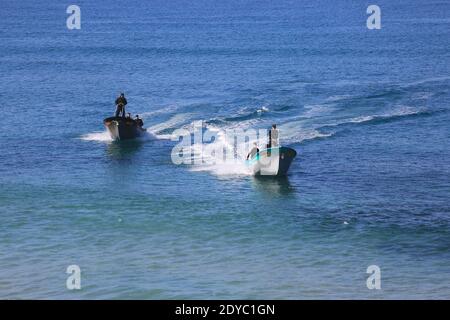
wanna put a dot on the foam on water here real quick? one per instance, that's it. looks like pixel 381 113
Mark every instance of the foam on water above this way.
pixel 216 164
pixel 179 227
pixel 339 97
pixel 165 110
pixel 104 136
pixel 426 80
pixel 400 111
pixel 176 121
pixel 316 110
pixel 263 109
pixel 100 136
pixel 148 136
pixel 296 131
pixel 224 169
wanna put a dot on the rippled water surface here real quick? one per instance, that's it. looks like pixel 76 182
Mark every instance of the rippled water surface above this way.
pixel 366 110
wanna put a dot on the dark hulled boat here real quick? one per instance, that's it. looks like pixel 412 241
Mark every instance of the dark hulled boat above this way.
pixel 121 128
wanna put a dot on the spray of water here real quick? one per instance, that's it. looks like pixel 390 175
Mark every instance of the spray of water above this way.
pixel 218 164
pixel 104 136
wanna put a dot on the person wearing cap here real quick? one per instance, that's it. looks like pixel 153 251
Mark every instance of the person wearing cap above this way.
pixel 139 121
pixel 121 102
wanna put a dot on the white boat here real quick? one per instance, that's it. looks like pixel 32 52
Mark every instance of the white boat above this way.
pixel 272 162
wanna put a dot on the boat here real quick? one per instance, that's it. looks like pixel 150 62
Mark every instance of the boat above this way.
pixel 272 161
pixel 121 128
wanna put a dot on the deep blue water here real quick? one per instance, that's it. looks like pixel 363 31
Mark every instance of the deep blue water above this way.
pixel 367 111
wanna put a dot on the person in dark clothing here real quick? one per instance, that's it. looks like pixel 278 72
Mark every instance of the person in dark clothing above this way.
pixel 253 152
pixel 121 102
pixel 273 137
pixel 139 121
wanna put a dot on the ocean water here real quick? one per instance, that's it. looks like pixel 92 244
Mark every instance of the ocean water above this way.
pixel 366 110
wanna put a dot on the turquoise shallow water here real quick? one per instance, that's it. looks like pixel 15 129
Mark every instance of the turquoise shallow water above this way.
pixel 367 112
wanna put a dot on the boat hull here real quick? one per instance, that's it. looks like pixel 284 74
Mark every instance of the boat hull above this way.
pixel 123 128
pixel 272 162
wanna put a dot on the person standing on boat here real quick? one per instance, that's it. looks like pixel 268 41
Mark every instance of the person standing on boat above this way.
pixel 121 102
pixel 273 137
